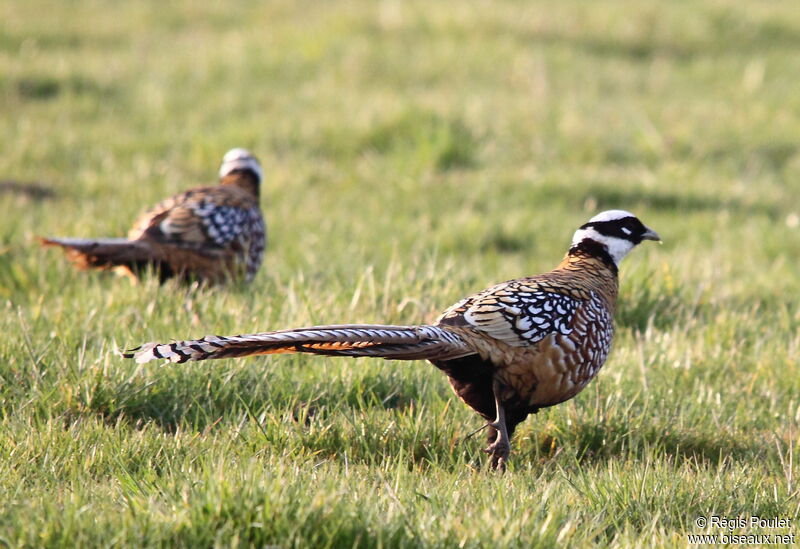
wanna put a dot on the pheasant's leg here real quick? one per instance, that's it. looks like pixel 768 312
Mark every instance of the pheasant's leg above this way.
pixel 501 447
pixel 491 433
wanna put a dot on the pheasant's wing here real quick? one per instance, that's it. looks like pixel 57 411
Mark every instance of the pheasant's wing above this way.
pixel 519 313
pixel 201 217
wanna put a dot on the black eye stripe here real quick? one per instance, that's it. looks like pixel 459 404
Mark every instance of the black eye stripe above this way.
pixel 634 228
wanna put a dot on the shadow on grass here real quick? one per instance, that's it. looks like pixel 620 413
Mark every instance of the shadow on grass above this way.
pixel 729 34
pixel 189 401
pixel 29 189
pixel 598 442
pixel 45 87
pixel 633 49
pixel 606 196
pixel 62 40
pixel 775 155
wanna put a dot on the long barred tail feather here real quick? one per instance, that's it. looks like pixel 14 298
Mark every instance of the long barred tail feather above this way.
pixel 102 253
pixel 392 342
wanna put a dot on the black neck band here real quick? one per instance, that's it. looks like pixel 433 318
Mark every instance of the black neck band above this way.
pixel 592 248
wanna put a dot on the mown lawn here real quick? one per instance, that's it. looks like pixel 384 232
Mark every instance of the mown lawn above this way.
pixel 414 152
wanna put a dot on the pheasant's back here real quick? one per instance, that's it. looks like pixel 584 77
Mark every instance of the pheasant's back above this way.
pixel 543 337
pixel 221 223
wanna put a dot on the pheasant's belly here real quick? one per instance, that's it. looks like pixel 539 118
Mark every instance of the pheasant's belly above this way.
pixel 557 370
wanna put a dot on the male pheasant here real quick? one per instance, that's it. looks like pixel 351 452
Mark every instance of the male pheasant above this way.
pixel 207 234
pixel 508 351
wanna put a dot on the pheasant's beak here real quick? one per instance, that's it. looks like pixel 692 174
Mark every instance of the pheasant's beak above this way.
pixel 650 234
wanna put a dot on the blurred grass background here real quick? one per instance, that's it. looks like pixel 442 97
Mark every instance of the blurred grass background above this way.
pixel 414 152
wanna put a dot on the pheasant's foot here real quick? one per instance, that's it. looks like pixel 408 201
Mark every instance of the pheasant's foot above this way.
pixel 499 451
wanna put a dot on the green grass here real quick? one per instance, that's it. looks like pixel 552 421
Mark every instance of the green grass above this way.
pixel 414 152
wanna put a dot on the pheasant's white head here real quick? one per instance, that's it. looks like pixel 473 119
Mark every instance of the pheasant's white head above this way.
pixel 616 231
pixel 240 159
